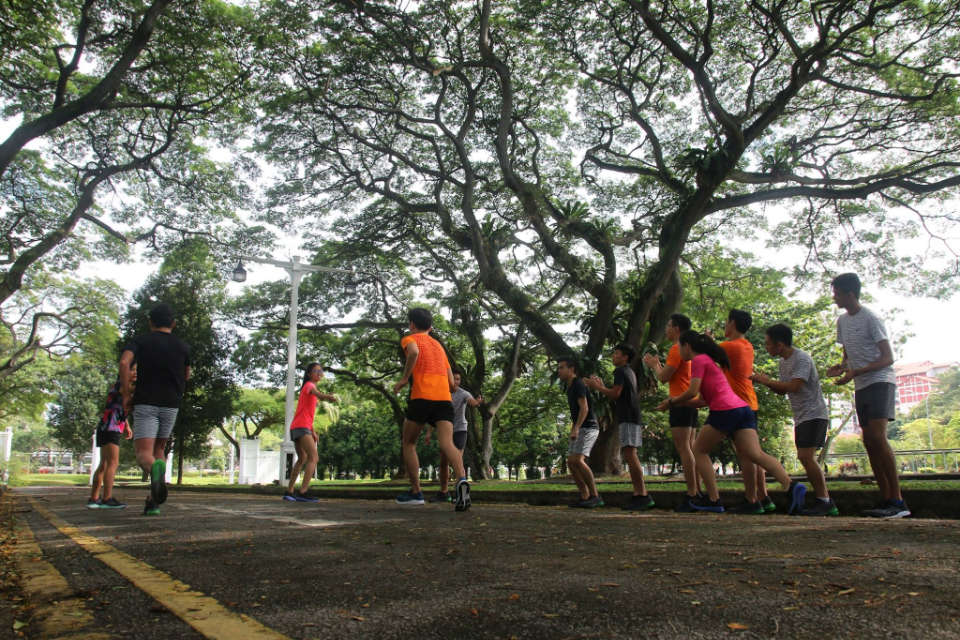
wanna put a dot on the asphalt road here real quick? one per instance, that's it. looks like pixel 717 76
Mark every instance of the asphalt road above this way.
pixel 371 569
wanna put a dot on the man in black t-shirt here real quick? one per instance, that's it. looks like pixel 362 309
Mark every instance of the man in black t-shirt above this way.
pixel 583 434
pixel 163 368
pixel 627 406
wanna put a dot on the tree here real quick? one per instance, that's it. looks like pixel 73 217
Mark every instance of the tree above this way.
pixel 943 402
pixel 189 281
pixel 450 122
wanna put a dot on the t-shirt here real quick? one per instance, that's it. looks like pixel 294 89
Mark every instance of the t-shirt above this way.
pixel 627 405
pixel 807 403
pixel 459 399
pixel 162 360
pixel 680 380
pixel 714 388
pixel 306 407
pixel 740 352
pixel 575 391
pixel 430 380
pixel 859 335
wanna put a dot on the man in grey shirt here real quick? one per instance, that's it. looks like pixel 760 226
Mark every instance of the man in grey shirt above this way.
pixel 868 361
pixel 799 380
pixel 460 398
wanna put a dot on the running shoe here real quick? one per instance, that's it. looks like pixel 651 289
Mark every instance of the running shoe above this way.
pixel 892 509
pixel 580 503
pixel 821 508
pixel 158 483
pixel 685 506
pixel 706 504
pixel 112 503
pixel 769 506
pixel 410 498
pixel 639 503
pixel 288 496
pixel 869 513
pixel 440 496
pixel 93 504
pixel 306 496
pixel 463 495
pixel 748 509
pixel 150 509
pixel 797 492
pixel 593 502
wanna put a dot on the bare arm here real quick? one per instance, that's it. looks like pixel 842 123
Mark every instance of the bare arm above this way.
pixel 777 386
pixel 692 392
pixel 126 364
pixel 412 352
pixel 581 416
pixel 595 383
pixel 662 371
pixel 187 371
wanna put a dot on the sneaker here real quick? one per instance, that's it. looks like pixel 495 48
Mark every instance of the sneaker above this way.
pixel 410 498
pixel 869 513
pixel 150 509
pixel 748 509
pixel 158 483
pixel 685 506
pixel 463 495
pixel 441 496
pixel 288 495
pixel 892 509
pixel 306 496
pixel 821 508
pixel 593 502
pixel 639 503
pixel 769 506
pixel 580 503
pixel 112 503
pixel 797 492
pixel 93 504
pixel 706 504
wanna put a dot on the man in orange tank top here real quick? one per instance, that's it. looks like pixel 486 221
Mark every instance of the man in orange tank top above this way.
pixel 430 402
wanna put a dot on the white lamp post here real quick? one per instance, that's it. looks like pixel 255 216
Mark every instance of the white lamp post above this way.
pixel 295 269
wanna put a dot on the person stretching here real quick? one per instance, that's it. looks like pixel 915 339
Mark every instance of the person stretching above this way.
pixel 583 433
pixel 303 436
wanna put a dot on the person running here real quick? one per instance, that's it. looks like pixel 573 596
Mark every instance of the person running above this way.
pixel 868 361
pixel 583 433
pixel 430 403
pixel 111 429
pixel 303 436
pixel 683 419
pixel 740 353
pixel 163 368
pixel 630 423
pixel 729 417
pixel 801 384
pixel 460 398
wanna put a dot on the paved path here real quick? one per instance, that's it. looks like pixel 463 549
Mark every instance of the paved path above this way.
pixel 237 567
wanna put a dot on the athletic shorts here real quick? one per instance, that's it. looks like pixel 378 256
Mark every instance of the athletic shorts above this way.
pixel 429 411
pixel 108 437
pixel 460 439
pixel 586 438
pixel 875 402
pixel 684 417
pixel 732 419
pixel 811 433
pixel 150 421
pixel 297 432
pixel 631 434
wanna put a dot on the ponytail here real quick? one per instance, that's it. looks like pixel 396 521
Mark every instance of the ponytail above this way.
pixel 701 343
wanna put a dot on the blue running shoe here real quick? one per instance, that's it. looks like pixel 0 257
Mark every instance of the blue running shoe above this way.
pixel 797 493
pixel 410 498
pixel 288 495
pixel 93 504
pixel 305 497
pixel 706 504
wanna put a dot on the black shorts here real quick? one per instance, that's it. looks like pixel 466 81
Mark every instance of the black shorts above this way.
pixel 876 402
pixel 429 411
pixel 108 437
pixel 733 420
pixel 811 433
pixel 684 417
pixel 460 439
pixel 298 432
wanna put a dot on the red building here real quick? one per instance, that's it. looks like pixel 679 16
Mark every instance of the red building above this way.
pixel 915 381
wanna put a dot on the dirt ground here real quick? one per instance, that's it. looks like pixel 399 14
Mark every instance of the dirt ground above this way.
pixel 374 569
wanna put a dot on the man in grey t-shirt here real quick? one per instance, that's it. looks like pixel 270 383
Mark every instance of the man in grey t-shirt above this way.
pixel 800 382
pixel 460 398
pixel 868 361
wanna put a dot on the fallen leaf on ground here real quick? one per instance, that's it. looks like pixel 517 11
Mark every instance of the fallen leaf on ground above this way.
pixel 737 626
pixel 846 591
pixel 514 596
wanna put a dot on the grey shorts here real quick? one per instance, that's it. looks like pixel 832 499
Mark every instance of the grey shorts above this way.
pixel 631 434
pixel 586 438
pixel 460 439
pixel 811 433
pixel 150 421
pixel 876 402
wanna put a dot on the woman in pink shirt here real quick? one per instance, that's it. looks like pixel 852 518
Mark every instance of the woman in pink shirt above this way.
pixel 729 417
pixel 303 436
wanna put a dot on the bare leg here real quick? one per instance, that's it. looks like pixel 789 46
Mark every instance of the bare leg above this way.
pixel 808 459
pixel 411 433
pixel 749 472
pixel 748 446
pixel 761 483
pixel 576 470
pixel 109 460
pixel 444 473
pixel 297 466
pixel 707 441
pixel 310 464
pixel 683 438
pixel 97 479
pixel 636 471
pixel 145 449
pixel 881 458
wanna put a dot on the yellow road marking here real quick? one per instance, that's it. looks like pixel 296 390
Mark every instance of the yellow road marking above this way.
pixel 59 613
pixel 203 613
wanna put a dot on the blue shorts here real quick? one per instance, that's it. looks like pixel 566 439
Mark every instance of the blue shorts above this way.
pixel 732 420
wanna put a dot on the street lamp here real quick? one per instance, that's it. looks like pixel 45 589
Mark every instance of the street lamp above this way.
pixel 239 274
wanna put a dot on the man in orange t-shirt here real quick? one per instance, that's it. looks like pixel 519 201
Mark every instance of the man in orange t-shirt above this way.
pixel 740 352
pixel 429 403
